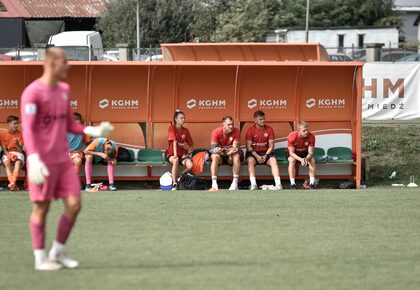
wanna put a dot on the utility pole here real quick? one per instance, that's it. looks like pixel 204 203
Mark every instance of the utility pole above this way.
pixel 307 22
pixel 138 29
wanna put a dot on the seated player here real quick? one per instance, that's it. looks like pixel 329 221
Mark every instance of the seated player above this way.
pixel 260 146
pixel 104 151
pixel 300 150
pixel 13 157
pixel 225 149
pixel 76 145
pixel 176 153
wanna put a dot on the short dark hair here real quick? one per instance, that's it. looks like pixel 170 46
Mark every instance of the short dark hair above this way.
pixel 227 117
pixel 259 114
pixel 12 118
pixel 77 116
pixel 110 152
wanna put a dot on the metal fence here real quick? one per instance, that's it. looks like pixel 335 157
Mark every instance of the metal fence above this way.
pixel 409 53
pixel 85 54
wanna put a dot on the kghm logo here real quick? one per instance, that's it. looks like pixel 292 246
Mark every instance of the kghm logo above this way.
pixel 9 104
pixel 206 104
pixel 119 104
pixel 252 103
pixel 191 103
pixel 310 103
pixel 104 103
pixel 326 103
pixel 267 104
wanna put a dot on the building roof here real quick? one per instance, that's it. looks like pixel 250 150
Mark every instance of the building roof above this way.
pixel 51 8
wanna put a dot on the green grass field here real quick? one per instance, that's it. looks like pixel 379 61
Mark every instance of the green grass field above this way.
pixel 324 239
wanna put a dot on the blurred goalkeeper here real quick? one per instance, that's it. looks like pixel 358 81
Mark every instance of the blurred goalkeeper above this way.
pixel 47 117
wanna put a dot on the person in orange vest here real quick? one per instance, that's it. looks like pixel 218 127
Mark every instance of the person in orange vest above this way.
pixel 13 157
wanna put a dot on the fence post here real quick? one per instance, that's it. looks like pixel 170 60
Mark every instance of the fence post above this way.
pixel 373 51
pixel 125 51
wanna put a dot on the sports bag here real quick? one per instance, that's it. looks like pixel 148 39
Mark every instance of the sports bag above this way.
pixel 189 181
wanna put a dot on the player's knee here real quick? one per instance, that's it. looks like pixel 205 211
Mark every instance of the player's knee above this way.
pixel 89 158
pixel 250 160
pixel 292 160
pixel 189 164
pixel 75 207
pixel 215 157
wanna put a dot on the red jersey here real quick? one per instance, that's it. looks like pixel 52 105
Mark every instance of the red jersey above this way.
pixel 300 144
pixel 181 136
pixel 225 140
pixel 260 138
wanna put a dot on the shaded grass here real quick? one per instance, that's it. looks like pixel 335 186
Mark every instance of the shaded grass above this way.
pixel 392 147
pixel 324 239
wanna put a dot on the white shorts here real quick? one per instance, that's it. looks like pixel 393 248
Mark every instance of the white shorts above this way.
pixel 19 156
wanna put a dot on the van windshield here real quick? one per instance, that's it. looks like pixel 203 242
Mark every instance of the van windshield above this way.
pixel 76 52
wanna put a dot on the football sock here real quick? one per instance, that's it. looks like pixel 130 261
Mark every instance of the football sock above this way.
pixel 64 228
pixel 235 179
pixel 88 172
pixel 292 181
pixel 253 180
pixel 214 182
pixel 110 167
pixel 37 235
pixel 311 180
pixel 277 180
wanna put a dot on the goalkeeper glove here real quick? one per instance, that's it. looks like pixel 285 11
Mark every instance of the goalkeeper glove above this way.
pixel 99 131
pixel 37 171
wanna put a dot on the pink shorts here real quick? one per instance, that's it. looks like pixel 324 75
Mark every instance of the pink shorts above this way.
pixel 62 182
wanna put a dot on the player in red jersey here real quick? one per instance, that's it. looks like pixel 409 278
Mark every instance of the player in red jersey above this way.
pixel 225 149
pixel 46 118
pixel 177 153
pixel 260 145
pixel 300 149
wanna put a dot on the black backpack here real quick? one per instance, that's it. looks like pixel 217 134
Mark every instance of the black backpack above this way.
pixel 189 181
pixel 124 155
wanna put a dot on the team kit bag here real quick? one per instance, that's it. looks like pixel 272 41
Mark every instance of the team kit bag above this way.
pixel 189 181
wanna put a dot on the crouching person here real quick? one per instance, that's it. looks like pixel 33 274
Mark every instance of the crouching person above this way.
pixel 101 151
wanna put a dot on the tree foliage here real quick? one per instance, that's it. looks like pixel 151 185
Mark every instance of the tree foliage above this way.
pixel 233 20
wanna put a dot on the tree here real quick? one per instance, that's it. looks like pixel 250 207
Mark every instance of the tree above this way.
pixel 247 20
pixel 160 21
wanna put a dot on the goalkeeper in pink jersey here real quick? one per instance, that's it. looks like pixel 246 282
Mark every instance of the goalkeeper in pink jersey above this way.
pixel 46 118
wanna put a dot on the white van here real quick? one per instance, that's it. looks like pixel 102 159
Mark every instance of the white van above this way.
pixel 79 45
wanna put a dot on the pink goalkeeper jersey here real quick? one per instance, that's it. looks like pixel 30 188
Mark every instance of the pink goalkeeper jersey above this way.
pixel 47 116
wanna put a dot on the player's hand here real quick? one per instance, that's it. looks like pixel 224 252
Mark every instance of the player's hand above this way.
pixel 217 150
pixel 304 162
pixel 103 155
pixel 186 156
pixel 37 170
pixel 102 130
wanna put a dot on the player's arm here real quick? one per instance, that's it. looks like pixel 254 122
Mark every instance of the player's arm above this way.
pixel 215 148
pixel 19 146
pixel 310 153
pixel 175 145
pixel 294 155
pixel 74 127
pixel 37 170
pixel 234 149
pixel 90 150
pixel 250 149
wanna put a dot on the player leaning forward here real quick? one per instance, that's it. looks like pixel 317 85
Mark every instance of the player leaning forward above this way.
pixel 46 119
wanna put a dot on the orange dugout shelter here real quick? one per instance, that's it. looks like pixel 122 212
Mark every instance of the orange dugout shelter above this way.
pixel 141 97
pixel 244 52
